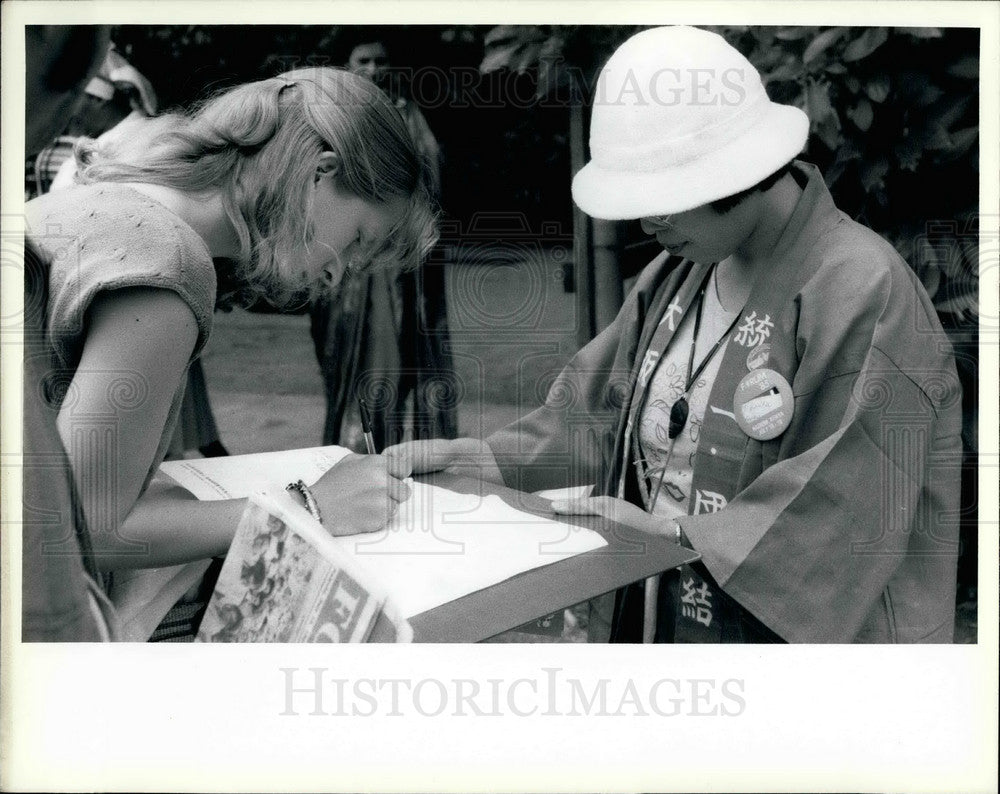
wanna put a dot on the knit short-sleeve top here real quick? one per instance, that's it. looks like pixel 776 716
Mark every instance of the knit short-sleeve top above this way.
pixel 108 236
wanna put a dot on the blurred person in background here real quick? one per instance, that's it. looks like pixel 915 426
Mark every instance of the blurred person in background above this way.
pixel 384 337
pixel 117 92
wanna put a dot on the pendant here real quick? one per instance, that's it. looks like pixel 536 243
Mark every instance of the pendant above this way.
pixel 678 417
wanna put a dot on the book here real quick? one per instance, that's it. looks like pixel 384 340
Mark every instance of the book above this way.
pixel 233 476
pixel 285 580
pixel 439 546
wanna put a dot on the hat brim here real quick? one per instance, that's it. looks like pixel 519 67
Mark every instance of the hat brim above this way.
pixel 761 150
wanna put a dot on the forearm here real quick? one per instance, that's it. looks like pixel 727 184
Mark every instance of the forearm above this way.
pixel 168 526
pixel 470 456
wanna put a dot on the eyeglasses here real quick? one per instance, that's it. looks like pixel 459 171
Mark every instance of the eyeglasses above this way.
pixel 661 220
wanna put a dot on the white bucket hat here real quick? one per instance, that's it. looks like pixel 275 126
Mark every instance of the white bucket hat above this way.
pixel 680 118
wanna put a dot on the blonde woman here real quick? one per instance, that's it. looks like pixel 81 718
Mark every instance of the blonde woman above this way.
pixel 272 187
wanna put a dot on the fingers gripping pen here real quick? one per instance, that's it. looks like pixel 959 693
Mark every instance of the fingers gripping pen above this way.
pixel 366 425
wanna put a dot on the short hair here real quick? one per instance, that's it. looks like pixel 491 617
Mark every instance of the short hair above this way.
pixel 723 205
pixel 342 40
pixel 258 144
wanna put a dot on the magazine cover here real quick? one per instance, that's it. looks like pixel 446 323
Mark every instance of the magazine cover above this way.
pixel 284 582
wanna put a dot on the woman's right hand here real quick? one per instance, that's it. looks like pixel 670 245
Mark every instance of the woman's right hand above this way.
pixel 466 456
pixel 361 493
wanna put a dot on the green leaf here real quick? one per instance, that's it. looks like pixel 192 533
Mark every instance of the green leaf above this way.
pixel 789 70
pixel 847 152
pixel 836 68
pixel 818 105
pixel 928 96
pixel 833 174
pixel 852 83
pixel 862 114
pixel 949 110
pixel 850 150
pixel 877 88
pixel 922 33
pixel 961 142
pixel 865 44
pixel 821 43
pixel 873 174
pixel 908 153
pixel 935 138
pixel 828 131
pixel 792 33
pixel 968 68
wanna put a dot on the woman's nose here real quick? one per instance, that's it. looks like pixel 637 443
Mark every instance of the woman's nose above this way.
pixel 647 226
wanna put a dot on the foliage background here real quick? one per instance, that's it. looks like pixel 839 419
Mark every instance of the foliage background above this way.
pixel 894 116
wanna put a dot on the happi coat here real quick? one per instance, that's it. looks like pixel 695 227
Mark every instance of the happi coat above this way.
pixel 844 528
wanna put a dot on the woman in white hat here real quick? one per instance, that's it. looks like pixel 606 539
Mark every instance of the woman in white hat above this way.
pixel 776 391
pixel 274 187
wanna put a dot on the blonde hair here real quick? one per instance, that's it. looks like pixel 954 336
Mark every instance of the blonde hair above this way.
pixel 258 145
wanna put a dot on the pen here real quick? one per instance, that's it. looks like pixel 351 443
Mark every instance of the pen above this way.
pixel 366 425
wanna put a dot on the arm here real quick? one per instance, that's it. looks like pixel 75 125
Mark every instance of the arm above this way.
pixel 142 339
pixel 464 456
pixel 811 545
pixel 134 359
pixel 568 440
pixel 557 444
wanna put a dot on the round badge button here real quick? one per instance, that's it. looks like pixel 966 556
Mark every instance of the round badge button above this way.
pixel 763 404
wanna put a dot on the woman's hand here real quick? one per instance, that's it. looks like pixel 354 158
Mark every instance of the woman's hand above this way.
pixel 361 493
pixel 466 456
pixel 619 511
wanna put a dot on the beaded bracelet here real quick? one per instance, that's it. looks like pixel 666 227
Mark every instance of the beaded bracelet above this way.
pixel 310 500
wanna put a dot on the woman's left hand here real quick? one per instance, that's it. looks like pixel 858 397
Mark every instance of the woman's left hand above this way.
pixel 619 511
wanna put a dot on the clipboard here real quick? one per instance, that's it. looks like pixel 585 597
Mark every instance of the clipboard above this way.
pixel 630 556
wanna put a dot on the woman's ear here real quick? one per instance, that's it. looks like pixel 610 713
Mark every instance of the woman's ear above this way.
pixel 327 166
